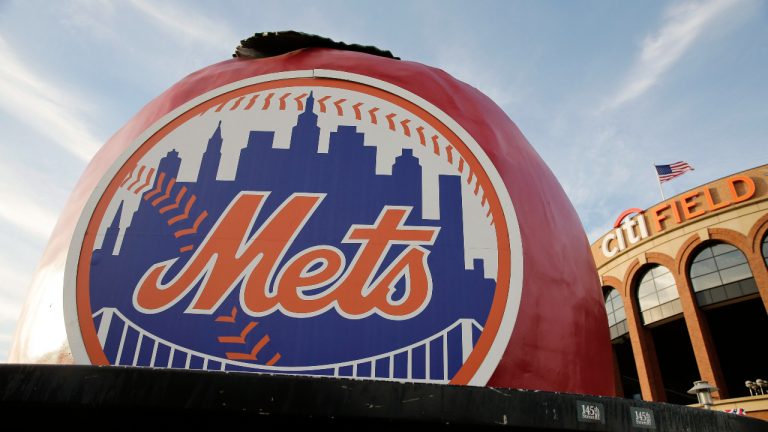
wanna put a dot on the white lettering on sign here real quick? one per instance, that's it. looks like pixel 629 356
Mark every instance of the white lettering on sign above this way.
pixel 590 412
pixel 643 418
pixel 631 231
pixel 673 212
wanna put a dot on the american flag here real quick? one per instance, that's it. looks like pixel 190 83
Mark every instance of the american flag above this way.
pixel 668 172
pixel 737 411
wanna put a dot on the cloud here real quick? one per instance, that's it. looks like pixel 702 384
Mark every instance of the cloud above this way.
pixel 14 278
pixel 16 272
pixel 31 197
pixel 21 211
pixel 9 312
pixel 96 16
pixel 12 288
pixel 4 349
pixel 185 23
pixel 43 107
pixel 683 24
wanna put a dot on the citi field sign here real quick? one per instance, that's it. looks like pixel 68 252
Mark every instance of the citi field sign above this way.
pixel 333 226
pixel 632 225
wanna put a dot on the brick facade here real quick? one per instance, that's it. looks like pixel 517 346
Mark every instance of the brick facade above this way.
pixel 742 224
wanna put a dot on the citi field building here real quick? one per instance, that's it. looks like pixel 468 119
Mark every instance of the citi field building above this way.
pixel 685 284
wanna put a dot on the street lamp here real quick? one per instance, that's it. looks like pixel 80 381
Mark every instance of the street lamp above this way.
pixel 751 386
pixel 762 384
pixel 703 391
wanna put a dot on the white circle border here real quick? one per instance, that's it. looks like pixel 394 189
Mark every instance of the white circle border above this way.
pixel 500 342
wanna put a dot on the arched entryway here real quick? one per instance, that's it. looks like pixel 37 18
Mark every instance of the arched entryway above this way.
pixel 661 314
pixel 727 294
pixel 624 360
pixel 765 249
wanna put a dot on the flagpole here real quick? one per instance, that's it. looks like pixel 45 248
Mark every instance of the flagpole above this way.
pixel 658 180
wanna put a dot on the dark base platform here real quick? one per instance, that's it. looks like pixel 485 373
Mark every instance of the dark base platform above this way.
pixel 138 398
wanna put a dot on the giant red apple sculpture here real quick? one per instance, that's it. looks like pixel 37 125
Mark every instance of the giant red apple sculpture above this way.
pixel 323 212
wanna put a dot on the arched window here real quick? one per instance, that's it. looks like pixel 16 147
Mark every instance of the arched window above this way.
pixel 765 249
pixel 720 272
pixel 617 317
pixel 657 294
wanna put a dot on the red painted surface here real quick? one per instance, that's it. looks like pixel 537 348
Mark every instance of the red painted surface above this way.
pixel 560 341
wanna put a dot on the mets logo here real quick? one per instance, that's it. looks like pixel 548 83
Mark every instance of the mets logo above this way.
pixel 313 222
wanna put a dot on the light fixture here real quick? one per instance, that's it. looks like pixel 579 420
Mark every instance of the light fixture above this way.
pixel 750 385
pixel 762 384
pixel 703 391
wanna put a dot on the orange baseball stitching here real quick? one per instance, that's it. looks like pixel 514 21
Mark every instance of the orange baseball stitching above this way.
pixel 240 339
pixel 179 197
pixel 392 122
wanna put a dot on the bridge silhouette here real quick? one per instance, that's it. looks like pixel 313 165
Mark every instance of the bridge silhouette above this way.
pixel 458 338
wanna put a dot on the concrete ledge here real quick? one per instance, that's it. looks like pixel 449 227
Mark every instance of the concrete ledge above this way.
pixel 116 397
pixel 756 406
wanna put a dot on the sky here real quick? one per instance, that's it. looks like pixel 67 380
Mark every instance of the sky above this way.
pixel 601 89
